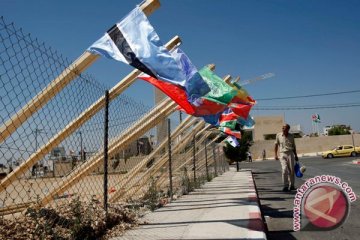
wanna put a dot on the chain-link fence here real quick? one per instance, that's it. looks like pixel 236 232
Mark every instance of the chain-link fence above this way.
pixel 72 153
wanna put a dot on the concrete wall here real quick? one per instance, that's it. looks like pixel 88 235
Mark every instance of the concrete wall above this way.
pixel 305 145
pixel 267 125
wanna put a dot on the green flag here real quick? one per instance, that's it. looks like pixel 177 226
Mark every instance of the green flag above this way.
pixel 220 91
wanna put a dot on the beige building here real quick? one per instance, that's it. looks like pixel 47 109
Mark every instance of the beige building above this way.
pixel 266 127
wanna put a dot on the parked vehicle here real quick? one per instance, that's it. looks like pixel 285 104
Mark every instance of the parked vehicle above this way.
pixel 342 151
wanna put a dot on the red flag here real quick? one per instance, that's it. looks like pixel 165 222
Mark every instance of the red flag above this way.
pixel 178 94
pixel 231 132
pixel 175 92
pixel 241 110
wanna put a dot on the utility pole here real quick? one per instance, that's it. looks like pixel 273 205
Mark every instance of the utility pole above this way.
pixel 37 130
pixel 180 116
pixel 81 146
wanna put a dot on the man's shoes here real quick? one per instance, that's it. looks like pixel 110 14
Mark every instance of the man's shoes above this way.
pixel 285 189
pixel 292 188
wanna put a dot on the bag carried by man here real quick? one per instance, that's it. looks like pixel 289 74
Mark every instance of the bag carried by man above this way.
pixel 299 170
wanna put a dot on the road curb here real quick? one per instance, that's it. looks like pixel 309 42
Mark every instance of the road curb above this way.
pixel 256 219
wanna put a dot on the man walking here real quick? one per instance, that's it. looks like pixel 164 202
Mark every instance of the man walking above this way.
pixel 285 145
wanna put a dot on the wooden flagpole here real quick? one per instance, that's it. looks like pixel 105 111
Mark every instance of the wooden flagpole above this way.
pixel 190 159
pixel 133 172
pixel 76 123
pixel 227 79
pixel 138 129
pixel 160 162
pixel 160 181
pixel 59 83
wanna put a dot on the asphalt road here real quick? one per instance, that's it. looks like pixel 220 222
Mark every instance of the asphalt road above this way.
pixel 277 206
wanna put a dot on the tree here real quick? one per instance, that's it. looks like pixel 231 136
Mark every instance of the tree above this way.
pixel 239 153
pixel 339 130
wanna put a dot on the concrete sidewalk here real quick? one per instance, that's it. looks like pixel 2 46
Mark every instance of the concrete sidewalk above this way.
pixel 225 208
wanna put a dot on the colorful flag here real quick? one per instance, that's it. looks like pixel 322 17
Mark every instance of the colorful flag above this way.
pixel 242 110
pixel 220 91
pixel 316 118
pixel 213 119
pixel 228 119
pixel 195 85
pixel 248 122
pixel 175 92
pixel 178 94
pixel 242 96
pixel 232 141
pixel 135 42
pixel 231 132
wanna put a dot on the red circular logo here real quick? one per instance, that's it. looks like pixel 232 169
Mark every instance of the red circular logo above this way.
pixel 326 206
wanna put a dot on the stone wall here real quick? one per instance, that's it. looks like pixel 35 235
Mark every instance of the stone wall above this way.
pixel 305 146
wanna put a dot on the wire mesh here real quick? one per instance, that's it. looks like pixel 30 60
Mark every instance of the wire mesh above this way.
pixel 54 158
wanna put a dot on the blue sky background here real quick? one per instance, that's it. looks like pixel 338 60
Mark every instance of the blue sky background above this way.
pixel 313 47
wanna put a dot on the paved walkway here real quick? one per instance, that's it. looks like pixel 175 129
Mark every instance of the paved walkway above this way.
pixel 225 208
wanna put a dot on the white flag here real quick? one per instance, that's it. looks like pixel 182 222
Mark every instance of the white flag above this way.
pixel 232 141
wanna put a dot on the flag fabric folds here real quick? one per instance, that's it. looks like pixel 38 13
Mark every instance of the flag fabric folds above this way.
pixel 231 132
pixel 220 91
pixel 242 96
pixel 228 119
pixel 199 93
pixel 175 92
pixel 135 42
pixel 232 141
pixel 195 85
pixel 179 96
pixel 248 122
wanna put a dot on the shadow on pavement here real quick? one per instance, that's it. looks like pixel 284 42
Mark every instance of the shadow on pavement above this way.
pixel 281 235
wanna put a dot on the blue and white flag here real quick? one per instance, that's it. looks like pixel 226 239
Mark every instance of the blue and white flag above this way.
pixel 135 42
pixel 248 123
pixel 232 141
pixel 195 85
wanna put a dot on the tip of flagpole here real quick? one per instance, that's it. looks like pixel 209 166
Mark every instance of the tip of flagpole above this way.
pixel 227 78
pixel 211 66
pixel 149 6
pixel 237 79
pixel 175 41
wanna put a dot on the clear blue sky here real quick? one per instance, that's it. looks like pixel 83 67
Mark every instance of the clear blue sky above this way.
pixel 313 47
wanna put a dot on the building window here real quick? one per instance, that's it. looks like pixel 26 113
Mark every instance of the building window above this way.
pixel 269 136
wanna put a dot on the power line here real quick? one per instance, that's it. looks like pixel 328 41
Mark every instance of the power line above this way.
pixel 270 108
pixel 306 96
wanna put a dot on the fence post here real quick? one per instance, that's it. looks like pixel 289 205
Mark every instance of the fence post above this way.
pixel 206 162
pixel 194 164
pixel 222 159
pixel 214 156
pixel 170 163
pixel 106 142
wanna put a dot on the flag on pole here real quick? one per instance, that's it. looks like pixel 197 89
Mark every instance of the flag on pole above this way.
pixel 178 94
pixel 134 41
pixel 242 96
pixel 231 132
pixel 315 118
pixel 195 85
pixel 175 92
pixel 241 110
pixel 228 119
pixel 248 122
pixel 220 91
pixel 232 141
